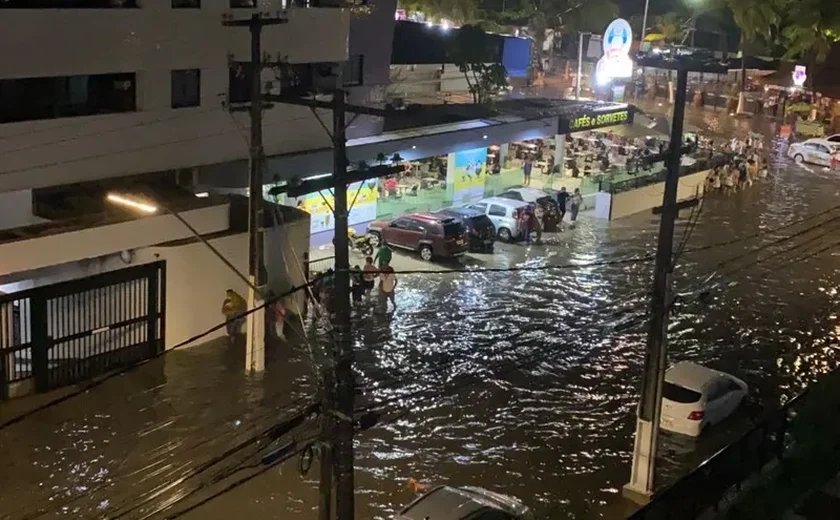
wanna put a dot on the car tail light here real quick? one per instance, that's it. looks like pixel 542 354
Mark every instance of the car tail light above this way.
pixel 696 415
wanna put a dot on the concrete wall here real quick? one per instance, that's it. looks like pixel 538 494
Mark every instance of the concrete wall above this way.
pixel 16 210
pixel 152 41
pixel 95 242
pixel 649 197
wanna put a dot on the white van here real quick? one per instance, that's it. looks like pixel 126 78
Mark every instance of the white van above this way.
pixel 504 213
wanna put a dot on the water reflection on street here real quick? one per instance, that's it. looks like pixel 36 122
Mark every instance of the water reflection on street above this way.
pixel 554 358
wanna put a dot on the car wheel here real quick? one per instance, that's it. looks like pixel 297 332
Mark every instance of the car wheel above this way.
pixel 375 238
pixel 426 252
pixel 798 158
pixel 504 235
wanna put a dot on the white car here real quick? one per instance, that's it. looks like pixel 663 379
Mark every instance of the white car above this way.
pixel 815 151
pixel 465 503
pixel 833 138
pixel 504 213
pixel 695 397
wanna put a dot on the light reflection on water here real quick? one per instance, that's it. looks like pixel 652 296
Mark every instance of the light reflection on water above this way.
pixel 555 432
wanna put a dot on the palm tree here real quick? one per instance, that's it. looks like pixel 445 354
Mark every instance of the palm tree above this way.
pixel 758 21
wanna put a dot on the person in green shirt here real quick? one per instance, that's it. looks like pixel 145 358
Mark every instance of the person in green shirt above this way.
pixel 383 255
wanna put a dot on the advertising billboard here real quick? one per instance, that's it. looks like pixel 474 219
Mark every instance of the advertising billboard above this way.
pixel 465 174
pixel 319 205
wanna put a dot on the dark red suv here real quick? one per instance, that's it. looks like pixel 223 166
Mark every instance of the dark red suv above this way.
pixel 433 236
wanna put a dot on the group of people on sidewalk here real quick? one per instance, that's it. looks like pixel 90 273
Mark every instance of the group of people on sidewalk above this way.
pixel 534 223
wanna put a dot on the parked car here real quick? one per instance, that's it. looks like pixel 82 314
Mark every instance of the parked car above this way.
pixel 815 151
pixel 551 211
pixel 695 397
pixel 430 234
pixel 481 233
pixel 833 138
pixel 464 503
pixel 504 213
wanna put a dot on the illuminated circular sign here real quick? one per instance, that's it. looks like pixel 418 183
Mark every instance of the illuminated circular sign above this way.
pixel 618 37
pixel 615 63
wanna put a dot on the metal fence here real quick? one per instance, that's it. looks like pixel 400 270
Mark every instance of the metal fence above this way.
pixel 63 333
pixel 643 180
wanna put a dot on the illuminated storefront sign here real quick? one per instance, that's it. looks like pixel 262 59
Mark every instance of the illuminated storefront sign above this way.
pixel 593 120
pixel 615 63
pixel 799 75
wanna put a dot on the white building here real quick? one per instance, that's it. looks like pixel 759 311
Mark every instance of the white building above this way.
pixel 140 86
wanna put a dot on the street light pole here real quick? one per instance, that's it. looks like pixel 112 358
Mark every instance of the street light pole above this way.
pixel 580 66
pixel 644 21
pixel 642 481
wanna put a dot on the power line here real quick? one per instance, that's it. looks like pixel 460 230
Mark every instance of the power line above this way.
pixel 93 384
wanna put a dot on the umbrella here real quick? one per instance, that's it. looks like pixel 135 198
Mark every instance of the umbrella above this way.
pixel 663 126
pixel 637 129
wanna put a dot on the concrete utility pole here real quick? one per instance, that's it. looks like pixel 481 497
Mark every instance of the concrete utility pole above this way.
pixel 255 325
pixel 345 398
pixel 642 482
pixel 580 66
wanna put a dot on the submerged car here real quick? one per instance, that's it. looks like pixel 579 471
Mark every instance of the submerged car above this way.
pixel 464 503
pixel 430 234
pixel 815 151
pixel 695 397
pixel 481 233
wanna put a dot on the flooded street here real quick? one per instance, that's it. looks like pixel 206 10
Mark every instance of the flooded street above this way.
pixel 524 382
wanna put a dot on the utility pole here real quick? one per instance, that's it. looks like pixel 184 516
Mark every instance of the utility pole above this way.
pixel 641 485
pixel 345 398
pixel 255 324
pixel 580 66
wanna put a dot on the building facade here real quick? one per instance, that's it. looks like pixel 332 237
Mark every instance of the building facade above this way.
pixel 108 88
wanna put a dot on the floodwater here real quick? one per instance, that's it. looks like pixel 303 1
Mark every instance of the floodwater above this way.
pixel 523 382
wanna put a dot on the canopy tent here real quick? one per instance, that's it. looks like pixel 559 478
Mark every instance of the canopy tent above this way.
pixel 663 126
pixel 633 131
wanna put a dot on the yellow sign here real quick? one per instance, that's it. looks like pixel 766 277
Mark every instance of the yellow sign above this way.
pixel 361 199
pixel 588 122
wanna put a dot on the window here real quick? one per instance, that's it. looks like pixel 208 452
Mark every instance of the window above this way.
pixel 186 88
pixel 186 4
pixel 353 71
pixel 498 211
pixel 400 223
pixel 30 99
pixel 239 84
pixel 453 229
pixel 679 394
pixel 67 4
pixel 480 207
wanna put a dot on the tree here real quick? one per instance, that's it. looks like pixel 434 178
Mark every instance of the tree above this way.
pixel 758 21
pixel 671 26
pixel 471 51
pixel 455 10
pixel 810 28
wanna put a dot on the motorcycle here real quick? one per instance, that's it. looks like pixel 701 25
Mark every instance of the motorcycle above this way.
pixel 361 244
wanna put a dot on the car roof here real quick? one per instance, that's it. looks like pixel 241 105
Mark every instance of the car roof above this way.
pixel 820 141
pixel 464 212
pixel 691 375
pixel 530 191
pixel 503 201
pixel 429 217
pixel 450 503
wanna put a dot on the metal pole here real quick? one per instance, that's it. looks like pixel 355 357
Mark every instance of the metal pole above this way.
pixel 641 485
pixel 580 66
pixel 644 21
pixel 345 394
pixel 255 346
pixel 327 452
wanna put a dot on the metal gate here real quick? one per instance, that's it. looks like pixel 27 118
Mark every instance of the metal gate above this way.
pixel 61 334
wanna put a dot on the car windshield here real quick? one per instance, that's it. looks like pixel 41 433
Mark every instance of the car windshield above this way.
pixel 680 394
pixel 453 229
